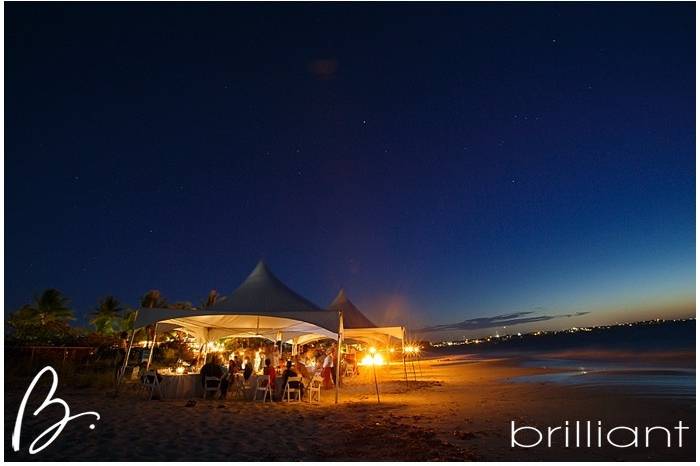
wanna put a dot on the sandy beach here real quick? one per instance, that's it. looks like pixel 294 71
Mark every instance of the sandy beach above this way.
pixel 459 408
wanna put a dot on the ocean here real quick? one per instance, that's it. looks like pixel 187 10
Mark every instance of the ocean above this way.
pixel 651 360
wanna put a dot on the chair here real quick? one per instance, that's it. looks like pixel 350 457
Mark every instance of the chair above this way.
pixel 150 382
pixel 315 389
pixel 248 384
pixel 211 384
pixel 263 385
pixel 296 389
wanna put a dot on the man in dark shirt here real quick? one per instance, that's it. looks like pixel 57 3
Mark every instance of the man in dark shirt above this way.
pixel 213 369
pixel 291 373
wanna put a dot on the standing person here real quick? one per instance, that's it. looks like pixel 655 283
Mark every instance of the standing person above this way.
pixel 121 354
pixel 262 356
pixel 247 368
pixel 327 370
pixel 256 360
pixel 123 341
pixel 233 366
pixel 334 358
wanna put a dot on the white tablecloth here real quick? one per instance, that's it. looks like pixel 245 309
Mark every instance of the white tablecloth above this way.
pixel 183 386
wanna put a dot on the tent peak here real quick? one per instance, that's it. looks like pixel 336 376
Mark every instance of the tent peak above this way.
pixel 261 272
pixel 352 316
pixel 341 297
pixel 262 266
pixel 263 292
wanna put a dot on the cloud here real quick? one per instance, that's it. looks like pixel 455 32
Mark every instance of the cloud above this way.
pixel 503 320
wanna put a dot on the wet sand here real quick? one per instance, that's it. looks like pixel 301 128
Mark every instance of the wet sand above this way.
pixel 454 409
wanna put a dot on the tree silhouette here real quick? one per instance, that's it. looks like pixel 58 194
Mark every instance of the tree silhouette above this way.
pixel 45 318
pixel 49 307
pixel 107 316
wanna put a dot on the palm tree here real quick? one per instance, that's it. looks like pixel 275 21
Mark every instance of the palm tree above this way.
pixel 212 298
pixel 24 317
pixel 46 318
pixel 52 307
pixel 127 320
pixel 153 299
pixel 107 315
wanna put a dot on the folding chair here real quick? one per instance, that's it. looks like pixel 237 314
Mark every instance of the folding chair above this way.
pixel 150 382
pixel 211 384
pixel 263 385
pixel 295 389
pixel 314 389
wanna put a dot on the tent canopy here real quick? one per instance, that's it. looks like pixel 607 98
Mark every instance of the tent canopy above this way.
pixel 263 293
pixel 358 327
pixel 379 336
pixel 261 305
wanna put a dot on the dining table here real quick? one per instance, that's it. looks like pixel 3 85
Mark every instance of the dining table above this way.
pixel 181 386
pixel 175 386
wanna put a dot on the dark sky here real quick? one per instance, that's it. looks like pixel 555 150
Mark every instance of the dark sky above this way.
pixel 441 162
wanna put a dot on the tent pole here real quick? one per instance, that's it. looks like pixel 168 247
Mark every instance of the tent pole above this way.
pixel 376 385
pixel 126 357
pixel 150 355
pixel 340 342
pixel 403 352
pixel 413 366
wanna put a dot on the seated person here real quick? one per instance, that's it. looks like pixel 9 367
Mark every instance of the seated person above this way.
pixel 213 368
pixel 289 372
pixel 233 366
pixel 302 369
pixel 224 380
pixel 270 370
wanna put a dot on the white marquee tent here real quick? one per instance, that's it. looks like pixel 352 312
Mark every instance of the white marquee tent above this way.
pixel 261 306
